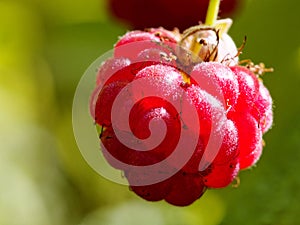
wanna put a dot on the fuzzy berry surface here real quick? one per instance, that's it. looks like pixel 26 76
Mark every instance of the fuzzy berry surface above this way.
pixel 232 105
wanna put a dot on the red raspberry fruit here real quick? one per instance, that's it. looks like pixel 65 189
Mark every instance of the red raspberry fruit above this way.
pixel 226 165
pixel 177 128
pixel 218 80
pixel 134 42
pixel 166 13
pixel 248 88
pixel 185 189
pixel 250 139
pixel 262 109
pixel 109 68
pixel 252 115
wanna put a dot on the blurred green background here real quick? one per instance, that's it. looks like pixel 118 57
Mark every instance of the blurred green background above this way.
pixel 45 47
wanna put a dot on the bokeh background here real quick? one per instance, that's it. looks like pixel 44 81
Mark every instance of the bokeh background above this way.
pixel 45 47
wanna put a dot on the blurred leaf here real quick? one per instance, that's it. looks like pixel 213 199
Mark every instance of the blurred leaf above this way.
pixel 72 12
pixel 142 212
pixel 200 212
pixel 130 213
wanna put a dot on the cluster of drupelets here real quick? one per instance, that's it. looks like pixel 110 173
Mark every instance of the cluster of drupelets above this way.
pixel 230 100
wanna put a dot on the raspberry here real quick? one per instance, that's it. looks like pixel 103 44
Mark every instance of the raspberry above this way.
pixel 109 67
pixel 106 70
pixel 229 148
pixel 166 13
pixel 225 165
pixel 112 87
pixel 248 88
pixel 177 116
pixel 221 175
pixel 155 38
pixel 262 110
pixel 180 190
pixel 218 80
pixel 153 192
pixel 250 139
pixel 185 189
pixel 209 111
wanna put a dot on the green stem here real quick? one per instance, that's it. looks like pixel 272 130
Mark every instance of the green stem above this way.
pixel 212 12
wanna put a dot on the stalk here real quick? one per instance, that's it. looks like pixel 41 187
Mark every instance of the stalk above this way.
pixel 212 12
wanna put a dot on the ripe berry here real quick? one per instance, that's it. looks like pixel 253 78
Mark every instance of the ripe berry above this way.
pixel 109 67
pixel 178 123
pixel 221 175
pixel 166 13
pixel 218 80
pixel 211 120
pixel 153 192
pixel 262 109
pixel 248 88
pixel 134 42
pixel 229 148
pixel 185 189
pixel 250 138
